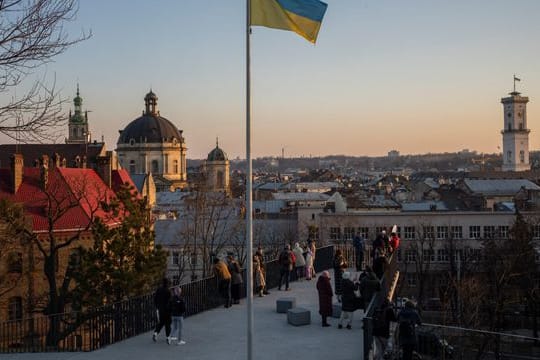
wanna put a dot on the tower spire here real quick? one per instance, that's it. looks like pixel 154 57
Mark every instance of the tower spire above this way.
pixel 217 142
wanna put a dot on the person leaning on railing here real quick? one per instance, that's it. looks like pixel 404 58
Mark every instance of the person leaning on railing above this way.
pixel 223 276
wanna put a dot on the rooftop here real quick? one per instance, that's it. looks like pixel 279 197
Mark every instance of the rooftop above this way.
pixel 221 333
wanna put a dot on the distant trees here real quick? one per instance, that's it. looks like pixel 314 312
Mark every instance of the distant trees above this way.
pixel 31 34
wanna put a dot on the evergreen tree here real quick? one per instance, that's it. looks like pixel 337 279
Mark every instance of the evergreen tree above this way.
pixel 123 261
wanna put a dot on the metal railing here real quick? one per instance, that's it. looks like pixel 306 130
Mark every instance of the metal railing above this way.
pixel 94 328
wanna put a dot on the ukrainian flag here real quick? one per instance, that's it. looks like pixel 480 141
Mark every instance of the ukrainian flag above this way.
pixel 304 17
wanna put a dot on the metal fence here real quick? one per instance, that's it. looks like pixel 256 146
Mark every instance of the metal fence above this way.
pixel 98 327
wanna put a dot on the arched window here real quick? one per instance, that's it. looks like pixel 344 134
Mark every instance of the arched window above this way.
pixel 522 156
pixel 219 179
pixel 155 167
pixel 175 166
pixel 132 166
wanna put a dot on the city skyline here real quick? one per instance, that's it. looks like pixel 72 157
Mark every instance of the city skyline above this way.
pixel 418 77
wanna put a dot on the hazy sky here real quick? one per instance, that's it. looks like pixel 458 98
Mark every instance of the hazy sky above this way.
pixel 417 76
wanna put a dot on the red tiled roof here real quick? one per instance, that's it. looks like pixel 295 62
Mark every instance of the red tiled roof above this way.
pixel 72 197
pixel 121 177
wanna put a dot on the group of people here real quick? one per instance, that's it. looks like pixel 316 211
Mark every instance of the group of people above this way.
pixel 299 260
pixel 230 279
pixel 170 313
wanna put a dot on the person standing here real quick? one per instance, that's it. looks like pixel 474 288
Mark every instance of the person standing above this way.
pixel 236 278
pixel 161 301
pixel 178 309
pixel 358 244
pixel 381 328
pixel 223 276
pixel 310 272
pixel 260 283
pixel 369 285
pixel 260 257
pixel 313 248
pixel 349 302
pixel 324 289
pixel 339 267
pixel 408 318
pixel 394 241
pixel 300 263
pixel 285 267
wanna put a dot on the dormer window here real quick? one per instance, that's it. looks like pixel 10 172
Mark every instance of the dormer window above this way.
pixel 131 142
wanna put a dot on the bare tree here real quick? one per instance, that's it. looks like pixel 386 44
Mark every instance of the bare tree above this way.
pixel 31 34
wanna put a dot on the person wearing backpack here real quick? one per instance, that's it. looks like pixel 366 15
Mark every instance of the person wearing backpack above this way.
pixel 408 318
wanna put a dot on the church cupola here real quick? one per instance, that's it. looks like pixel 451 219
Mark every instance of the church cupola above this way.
pixel 78 123
pixel 150 101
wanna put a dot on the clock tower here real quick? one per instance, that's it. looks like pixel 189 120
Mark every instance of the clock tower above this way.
pixel 515 132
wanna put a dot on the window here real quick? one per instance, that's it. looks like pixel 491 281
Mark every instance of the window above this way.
pixel 312 216
pixel 536 231
pixel 459 255
pixel 509 155
pixel 489 232
pixel 410 232
pixel 176 280
pixel 15 263
pixel 522 156
pixel 379 229
pixel 410 255
pixel 411 280
pixel 475 254
pixel 442 255
pixel 219 180
pixel 429 232
pixel 193 259
pixel 175 166
pixel 335 233
pixel 456 232
pixel 15 310
pixel 442 232
pixel 474 232
pixel 175 258
pixel 155 167
pixel 363 232
pixel 313 232
pixel 428 255
pixel 166 164
pixel 503 232
pixel 132 166
pixel 348 233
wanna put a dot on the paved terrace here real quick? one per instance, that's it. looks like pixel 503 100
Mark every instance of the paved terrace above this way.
pixel 221 334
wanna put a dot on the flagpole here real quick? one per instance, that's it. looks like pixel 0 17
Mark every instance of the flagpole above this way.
pixel 249 197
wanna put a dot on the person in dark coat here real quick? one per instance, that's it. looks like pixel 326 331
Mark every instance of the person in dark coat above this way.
pixel 161 301
pixel 381 242
pixel 348 300
pixel 358 244
pixel 178 309
pixel 325 297
pixel 286 264
pixel 381 328
pixel 369 285
pixel 408 318
pixel 379 263
pixel 236 278
pixel 339 267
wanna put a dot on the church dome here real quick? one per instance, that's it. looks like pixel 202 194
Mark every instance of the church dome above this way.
pixel 150 127
pixel 217 154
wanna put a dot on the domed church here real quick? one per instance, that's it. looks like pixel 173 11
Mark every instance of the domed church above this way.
pixel 153 144
pixel 216 169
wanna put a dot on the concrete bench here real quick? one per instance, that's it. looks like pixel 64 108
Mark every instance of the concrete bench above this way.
pixel 284 304
pixel 298 316
pixel 336 310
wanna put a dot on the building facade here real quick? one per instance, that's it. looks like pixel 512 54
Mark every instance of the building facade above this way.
pixel 515 133
pixel 153 144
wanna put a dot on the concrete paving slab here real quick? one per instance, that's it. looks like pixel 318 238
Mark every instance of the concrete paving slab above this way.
pixel 221 334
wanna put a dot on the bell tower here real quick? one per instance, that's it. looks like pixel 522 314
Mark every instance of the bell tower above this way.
pixel 515 133
pixel 78 123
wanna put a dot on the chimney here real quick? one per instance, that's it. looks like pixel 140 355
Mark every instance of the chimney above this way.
pixel 16 171
pixel 44 171
pixel 104 168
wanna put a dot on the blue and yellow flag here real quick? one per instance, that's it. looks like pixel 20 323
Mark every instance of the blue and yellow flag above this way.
pixel 304 17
